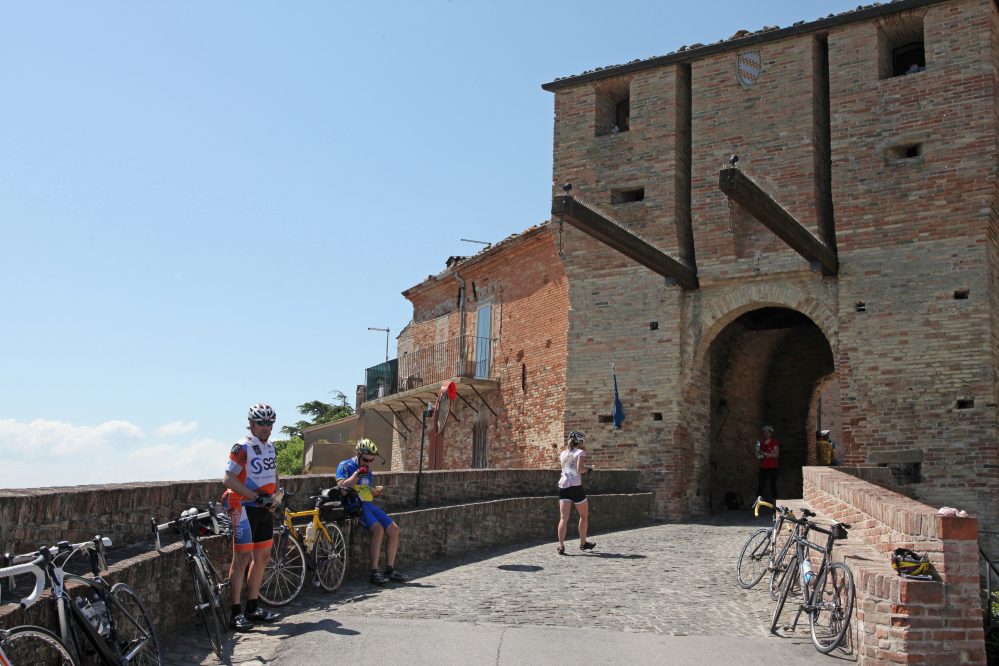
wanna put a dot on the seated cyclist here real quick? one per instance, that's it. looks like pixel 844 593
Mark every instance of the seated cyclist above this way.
pixel 356 473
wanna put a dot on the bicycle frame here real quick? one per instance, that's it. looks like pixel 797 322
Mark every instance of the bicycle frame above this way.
pixel 310 548
pixel 802 546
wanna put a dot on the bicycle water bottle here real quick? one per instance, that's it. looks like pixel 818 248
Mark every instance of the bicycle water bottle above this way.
pixel 806 572
pixel 310 534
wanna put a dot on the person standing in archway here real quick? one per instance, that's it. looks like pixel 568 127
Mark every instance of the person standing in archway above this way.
pixel 768 450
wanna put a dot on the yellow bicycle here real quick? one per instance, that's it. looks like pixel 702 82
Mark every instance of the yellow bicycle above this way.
pixel 317 545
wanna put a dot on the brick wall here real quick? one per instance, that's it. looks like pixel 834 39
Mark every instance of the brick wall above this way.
pixel 36 517
pixel 523 279
pixel 163 581
pixel 909 233
pixel 898 620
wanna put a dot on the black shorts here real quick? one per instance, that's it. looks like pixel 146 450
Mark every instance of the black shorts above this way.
pixel 252 528
pixel 572 494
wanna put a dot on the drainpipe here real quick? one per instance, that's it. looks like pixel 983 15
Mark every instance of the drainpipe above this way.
pixel 461 324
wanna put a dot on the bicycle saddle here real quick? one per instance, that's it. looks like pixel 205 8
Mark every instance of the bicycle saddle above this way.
pixel 807 514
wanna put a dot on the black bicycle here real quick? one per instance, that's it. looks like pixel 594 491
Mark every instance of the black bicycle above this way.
pixel 27 644
pixel 827 595
pixel 106 625
pixel 211 590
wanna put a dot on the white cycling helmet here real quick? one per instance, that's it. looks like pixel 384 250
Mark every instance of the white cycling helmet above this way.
pixel 262 412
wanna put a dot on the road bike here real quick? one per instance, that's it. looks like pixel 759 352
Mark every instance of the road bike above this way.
pixel 318 546
pixel 767 549
pixel 104 624
pixel 211 590
pixel 27 645
pixel 826 595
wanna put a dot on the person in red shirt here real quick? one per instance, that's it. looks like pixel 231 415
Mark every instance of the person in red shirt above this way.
pixel 769 449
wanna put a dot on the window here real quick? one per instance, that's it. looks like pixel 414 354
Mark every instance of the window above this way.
pixel 657 416
pixel 908 59
pixel 483 336
pixel 965 404
pixel 901 51
pixel 906 151
pixel 628 195
pixel 613 112
pixel 605 418
pixel 961 294
pixel 860 306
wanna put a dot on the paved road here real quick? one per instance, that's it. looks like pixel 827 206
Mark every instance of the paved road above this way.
pixel 646 594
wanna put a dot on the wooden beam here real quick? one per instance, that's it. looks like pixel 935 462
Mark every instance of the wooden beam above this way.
pixel 626 242
pixel 772 215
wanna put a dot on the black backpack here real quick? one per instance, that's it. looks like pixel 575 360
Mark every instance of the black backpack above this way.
pixel 733 501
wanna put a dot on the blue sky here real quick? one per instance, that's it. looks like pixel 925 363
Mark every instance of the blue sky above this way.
pixel 205 205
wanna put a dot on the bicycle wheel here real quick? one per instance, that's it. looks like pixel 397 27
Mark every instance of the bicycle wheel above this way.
pixel 34 646
pixel 220 591
pixel 787 582
pixel 331 558
pixel 136 633
pixel 285 573
pixel 754 558
pixel 833 598
pixel 207 606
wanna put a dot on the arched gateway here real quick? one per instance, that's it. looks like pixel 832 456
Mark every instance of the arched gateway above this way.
pixel 759 355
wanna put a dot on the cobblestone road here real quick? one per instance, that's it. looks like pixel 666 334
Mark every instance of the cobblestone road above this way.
pixel 661 579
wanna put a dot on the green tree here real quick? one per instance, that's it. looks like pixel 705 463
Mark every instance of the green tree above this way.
pixel 289 456
pixel 321 412
pixel 290 452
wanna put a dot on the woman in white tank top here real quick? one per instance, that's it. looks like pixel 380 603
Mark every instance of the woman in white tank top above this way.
pixel 570 491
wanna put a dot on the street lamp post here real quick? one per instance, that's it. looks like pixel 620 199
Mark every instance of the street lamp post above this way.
pixel 386 331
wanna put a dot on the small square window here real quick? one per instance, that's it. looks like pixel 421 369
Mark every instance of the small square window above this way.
pixel 961 294
pixel 860 306
pixel 906 152
pixel 605 418
pixel 657 416
pixel 630 195
pixel 653 325
pixel 965 404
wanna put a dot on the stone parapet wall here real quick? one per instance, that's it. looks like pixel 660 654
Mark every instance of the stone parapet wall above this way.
pixel 899 620
pixel 31 518
pixel 163 581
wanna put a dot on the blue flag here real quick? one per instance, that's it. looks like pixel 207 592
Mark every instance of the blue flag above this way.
pixel 618 410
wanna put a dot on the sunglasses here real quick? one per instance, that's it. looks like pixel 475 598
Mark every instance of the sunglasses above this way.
pixel 363 459
pixel 264 423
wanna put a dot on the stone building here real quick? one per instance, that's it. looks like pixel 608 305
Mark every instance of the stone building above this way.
pixel 851 250
pixel 495 324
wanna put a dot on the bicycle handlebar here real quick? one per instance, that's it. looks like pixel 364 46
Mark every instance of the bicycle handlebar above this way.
pixel 758 503
pixel 186 517
pixel 32 568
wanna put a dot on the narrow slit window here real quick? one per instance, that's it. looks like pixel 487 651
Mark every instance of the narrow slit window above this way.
pixel 629 195
pixel 605 418
pixel 523 377
pixel 961 294
pixel 965 404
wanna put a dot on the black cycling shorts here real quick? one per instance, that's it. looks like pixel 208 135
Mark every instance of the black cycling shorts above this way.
pixel 252 528
pixel 572 494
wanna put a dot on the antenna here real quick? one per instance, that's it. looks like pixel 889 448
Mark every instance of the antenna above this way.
pixel 466 240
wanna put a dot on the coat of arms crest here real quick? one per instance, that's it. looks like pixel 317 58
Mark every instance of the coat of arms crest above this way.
pixel 749 67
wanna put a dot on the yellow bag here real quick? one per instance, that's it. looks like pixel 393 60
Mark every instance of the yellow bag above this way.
pixel 824 455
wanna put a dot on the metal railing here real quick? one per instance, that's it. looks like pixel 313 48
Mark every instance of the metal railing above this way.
pixel 466 356
pixel 991 601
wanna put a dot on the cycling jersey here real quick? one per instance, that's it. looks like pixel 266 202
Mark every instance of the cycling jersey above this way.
pixel 255 465
pixel 346 469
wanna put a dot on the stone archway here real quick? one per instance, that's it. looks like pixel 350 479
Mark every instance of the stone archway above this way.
pixel 732 385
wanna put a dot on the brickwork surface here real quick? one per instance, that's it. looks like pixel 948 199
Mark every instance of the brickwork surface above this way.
pixel 523 280
pixel 33 517
pixel 901 620
pixel 824 132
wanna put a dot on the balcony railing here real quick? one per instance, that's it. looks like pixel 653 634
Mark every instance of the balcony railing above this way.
pixel 431 365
